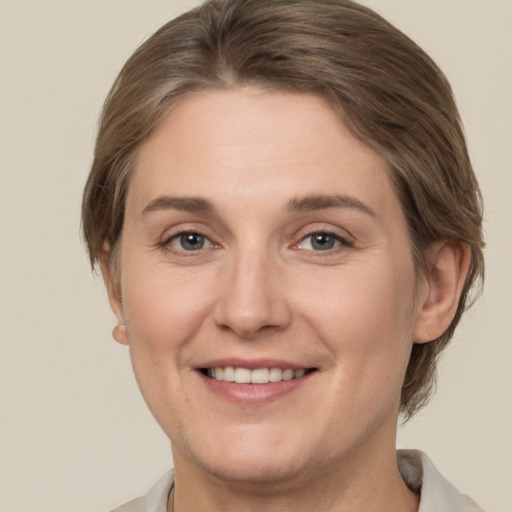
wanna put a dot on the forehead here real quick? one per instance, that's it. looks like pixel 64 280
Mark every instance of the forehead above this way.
pixel 252 144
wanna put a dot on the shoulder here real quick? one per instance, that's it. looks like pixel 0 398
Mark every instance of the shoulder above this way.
pixel 437 493
pixel 155 500
pixel 136 505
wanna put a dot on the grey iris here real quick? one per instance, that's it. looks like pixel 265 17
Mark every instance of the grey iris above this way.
pixel 192 241
pixel 322 241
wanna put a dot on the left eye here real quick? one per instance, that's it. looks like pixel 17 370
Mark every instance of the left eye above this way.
pixel 189 241
pixel 320 241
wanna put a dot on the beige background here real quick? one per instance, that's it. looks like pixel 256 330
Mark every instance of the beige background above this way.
pixel 75 434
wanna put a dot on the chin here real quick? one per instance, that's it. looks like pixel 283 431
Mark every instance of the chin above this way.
pixel 251 458
pixel 264 470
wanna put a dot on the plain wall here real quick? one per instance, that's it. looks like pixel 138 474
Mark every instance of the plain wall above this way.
pixel 75 433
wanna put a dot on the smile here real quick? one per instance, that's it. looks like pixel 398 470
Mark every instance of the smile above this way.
pixel 241 375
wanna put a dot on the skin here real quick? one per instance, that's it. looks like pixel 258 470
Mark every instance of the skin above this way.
pixel 260 288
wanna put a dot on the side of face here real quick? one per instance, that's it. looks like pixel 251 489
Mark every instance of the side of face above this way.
pixel 260 234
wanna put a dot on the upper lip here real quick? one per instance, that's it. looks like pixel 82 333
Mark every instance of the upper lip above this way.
pixel 250 364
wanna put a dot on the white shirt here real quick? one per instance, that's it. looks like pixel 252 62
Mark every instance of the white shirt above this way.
pixel 418 472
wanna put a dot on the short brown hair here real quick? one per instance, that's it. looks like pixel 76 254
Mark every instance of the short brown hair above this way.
pixel 388 91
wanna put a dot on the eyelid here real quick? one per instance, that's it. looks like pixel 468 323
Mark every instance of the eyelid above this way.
pixel 178 236
pixel 341 234
pixel 345 238
pixel 174 233
pixel 341 240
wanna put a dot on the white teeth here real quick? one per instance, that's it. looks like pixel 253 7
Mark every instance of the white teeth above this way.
pixel 242 376
pixel 260 376
pixel 257 376
pixel 229 374
pixel 275 375
pixel 288 374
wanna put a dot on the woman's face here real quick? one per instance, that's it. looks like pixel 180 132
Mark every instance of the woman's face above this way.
pixel 262 241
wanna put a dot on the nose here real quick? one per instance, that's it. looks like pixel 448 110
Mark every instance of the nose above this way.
pixel 253 298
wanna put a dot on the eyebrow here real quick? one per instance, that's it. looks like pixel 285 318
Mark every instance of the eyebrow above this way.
pixel 186 204
pixel 298 204
pixel 319 202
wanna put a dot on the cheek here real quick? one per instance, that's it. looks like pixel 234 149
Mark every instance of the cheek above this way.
pixel 163 305
pixel 164 310
pixel 365 318
pixel 368 298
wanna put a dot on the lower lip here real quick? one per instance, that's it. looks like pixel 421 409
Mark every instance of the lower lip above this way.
pixel 253 394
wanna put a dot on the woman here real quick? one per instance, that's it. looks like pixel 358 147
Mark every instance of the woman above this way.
pixel 289 227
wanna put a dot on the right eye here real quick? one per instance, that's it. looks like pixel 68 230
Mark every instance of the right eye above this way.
pixel 188 241
pixel 321 241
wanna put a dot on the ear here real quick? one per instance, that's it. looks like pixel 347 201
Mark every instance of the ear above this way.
pixel 119 332
pixel 441 289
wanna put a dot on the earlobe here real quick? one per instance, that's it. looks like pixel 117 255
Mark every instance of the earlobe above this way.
pixel 119 333
pixel 442 289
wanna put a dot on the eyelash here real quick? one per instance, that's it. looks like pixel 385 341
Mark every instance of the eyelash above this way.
pixel 167 244
pixel 338 240
pixel 341 241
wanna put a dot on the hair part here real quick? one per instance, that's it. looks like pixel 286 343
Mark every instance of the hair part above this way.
pixel 384 87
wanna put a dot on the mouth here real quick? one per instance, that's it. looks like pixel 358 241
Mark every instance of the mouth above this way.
pixel 241 375
pixel 254 383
